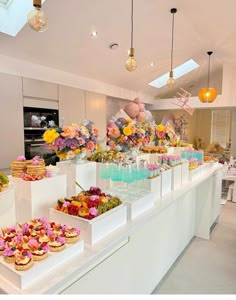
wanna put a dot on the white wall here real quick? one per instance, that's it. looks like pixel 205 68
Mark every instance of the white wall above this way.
pixel 22 68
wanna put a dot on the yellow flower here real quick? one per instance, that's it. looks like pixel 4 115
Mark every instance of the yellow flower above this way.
pixel 62 155
pixel 50 135
pixel 128 120
pixel 127 130
pixel 74 124
pixel 160 127
pixel 77 151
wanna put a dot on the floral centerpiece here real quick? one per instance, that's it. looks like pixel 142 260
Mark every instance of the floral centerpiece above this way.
pixel 71 141
pixel 165 134
pixel 125 134
pixel 88 204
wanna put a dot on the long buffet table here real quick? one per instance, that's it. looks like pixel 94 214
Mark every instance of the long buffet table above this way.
pixel 134 258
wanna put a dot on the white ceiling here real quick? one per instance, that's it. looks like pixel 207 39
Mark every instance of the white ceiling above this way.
pixel 200 25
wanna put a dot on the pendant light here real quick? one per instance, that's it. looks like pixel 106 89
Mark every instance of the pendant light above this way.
pixel 171 81
pixel 131 63
pixel 36 18
pixel 207 95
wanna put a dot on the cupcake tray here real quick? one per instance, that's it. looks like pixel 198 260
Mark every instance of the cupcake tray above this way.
pixel 92 231
pixel 22 279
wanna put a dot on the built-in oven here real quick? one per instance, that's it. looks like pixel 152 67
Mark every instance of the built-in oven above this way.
pixel 36 121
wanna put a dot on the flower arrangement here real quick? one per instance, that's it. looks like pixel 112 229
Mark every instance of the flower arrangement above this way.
pixel 88 204
pixel 165 134
pixel 70 141
pixel 124 134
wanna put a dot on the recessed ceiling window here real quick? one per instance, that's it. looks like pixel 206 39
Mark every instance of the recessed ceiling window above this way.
pixel 5 3
pixel 181 70
pixel 13 15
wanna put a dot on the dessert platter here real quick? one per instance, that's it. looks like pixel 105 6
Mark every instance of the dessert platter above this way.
pixel 95 212
pixel 32 249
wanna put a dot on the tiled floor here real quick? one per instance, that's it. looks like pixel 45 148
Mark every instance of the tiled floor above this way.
pixel 206 267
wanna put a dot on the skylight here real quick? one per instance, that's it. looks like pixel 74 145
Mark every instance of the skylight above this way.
pixel 5 3
pixel 181 70
pixel 13 15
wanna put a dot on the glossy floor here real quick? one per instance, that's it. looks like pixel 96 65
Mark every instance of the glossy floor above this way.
pixel 206 267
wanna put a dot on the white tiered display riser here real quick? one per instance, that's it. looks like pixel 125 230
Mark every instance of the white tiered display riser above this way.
pixel 7 207
pixel 84 172
pixel 34 198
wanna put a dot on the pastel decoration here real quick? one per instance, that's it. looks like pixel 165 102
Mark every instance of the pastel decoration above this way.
pixel 141 106
pixel 141 116
pixel 148 115
pixel 132 109
pixel 121 114
pixel 137 100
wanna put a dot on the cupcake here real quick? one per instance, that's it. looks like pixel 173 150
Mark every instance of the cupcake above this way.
pixel 23 260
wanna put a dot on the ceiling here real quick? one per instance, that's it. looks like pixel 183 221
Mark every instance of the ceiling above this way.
pixel 67 45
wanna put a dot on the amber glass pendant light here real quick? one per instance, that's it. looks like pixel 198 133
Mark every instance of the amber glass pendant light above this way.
pixel 207 94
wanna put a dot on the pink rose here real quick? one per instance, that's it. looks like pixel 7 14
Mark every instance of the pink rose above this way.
pixel 90 146
pixel 113 132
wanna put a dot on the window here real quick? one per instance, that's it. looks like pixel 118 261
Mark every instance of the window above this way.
pixel 220 126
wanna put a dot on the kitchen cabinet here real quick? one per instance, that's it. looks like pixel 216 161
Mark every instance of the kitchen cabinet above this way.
pixel 33 88
pixel 96 111
pixel 11 119
pixel 71 105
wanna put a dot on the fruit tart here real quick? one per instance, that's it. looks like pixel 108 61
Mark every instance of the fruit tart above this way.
pixel 56 243
pixel 24 260
pixel 38 250
pixel 71 234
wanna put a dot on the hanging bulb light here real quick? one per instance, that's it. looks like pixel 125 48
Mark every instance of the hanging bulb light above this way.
pixel 131 63
pixel 171 81
pixel 207 95
pixel 36 18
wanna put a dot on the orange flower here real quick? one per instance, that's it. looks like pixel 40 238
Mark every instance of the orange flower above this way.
pixel 76 203
pixel 83 212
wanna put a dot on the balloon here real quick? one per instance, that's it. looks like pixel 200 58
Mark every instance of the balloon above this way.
pixel 137 100
pixel 141 106
pixel 148 115
pixel 132 109
pixel 141 116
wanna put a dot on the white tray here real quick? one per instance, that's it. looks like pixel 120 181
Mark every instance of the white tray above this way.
pixel 137 200
pixel 93 230
pixel 22 279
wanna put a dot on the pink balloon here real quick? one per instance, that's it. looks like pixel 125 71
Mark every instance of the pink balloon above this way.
pixel 141 116
pixel 141 106
pixel 137 100
pixel 132 109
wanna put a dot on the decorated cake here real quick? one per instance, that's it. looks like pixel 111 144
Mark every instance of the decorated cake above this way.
pixel 37 168
pixel 32 241
pixel 88 204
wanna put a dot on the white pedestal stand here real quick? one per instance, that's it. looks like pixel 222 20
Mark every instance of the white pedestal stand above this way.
pixel 7 207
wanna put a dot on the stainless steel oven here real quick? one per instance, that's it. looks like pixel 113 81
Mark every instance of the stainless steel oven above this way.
pixel 36 121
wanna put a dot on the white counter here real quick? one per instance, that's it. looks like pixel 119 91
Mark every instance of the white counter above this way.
pixel 134 258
